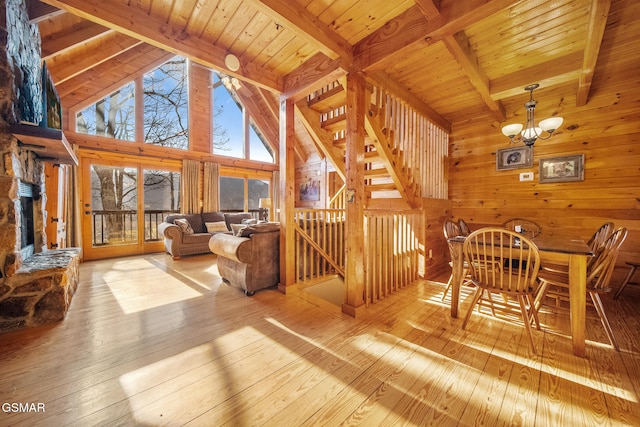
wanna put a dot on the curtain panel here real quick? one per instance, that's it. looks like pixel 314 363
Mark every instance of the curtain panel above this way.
pixel 190 186
pixel 210 202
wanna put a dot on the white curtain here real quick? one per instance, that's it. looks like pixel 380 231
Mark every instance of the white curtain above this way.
pixel 190 186
pixel 210 197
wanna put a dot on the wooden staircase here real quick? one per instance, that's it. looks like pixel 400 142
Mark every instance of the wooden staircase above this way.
pixel 387 173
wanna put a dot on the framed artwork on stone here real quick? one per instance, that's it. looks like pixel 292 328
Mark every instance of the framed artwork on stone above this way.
pixel 50 101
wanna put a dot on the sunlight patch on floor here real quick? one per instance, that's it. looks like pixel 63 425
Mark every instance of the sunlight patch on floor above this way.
pixel 147 288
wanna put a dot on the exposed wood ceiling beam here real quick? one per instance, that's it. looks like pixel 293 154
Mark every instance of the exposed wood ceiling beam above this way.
pixel 70 64
pixel 391 85
pixel 459 46
pixel 39 11
pixel 429 8
pixel 128 19
pixel 296 18
pixel 68 38
pixel 411 27
pixel 597 24
pixel 316 72
pixel 551 73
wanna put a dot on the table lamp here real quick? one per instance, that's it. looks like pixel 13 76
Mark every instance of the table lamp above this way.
pixel 265 205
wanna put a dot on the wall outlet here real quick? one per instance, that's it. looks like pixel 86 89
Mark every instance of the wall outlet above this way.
pixel 430 254
pixel 526 176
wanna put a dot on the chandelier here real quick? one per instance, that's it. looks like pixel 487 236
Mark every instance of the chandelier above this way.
pixel 531 132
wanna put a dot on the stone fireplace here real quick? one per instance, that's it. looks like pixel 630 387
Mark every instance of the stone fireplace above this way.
pixel 36 284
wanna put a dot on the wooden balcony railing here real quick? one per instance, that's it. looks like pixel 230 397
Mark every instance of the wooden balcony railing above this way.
pixel 392 248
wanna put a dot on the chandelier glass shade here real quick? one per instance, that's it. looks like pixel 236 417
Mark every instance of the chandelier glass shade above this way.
pixel 531 132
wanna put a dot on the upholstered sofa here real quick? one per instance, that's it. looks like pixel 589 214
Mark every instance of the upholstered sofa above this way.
pixel 249 260
pixel 189 234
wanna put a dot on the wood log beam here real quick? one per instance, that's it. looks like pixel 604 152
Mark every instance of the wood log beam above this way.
pixel 597 24
pixel 551 73
pixel 39 11
pixel 458 45
pixel 411 27
pixel 296 18
pixel 60 42
pixel 318 71
pixel 70 64
pixel 429 8
pixel 129 20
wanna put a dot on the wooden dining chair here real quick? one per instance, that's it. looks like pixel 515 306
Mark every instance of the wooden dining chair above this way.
pixel 527 227
pixel 464 227
pixel 503 262
pixel 600 236
pixel 555 286
pixel 452 229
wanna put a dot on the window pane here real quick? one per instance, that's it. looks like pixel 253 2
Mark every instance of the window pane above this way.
pixel 111 117
pixel 114 200
pixel 258 149
pixel 258 189
pixel 231 194
pixel 161 198
pixel 228 128
pixel 166 105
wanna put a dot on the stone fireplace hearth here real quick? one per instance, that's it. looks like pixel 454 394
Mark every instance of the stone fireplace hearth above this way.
pixel 36 284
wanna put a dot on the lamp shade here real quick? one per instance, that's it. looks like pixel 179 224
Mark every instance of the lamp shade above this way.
pixel 551 124
pixel 531 132
pixel 512 130
pixel 265 203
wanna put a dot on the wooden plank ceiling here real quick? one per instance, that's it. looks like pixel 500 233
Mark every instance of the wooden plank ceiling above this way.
pixel 463 59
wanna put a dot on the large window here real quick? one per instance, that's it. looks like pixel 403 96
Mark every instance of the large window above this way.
pixel 111 117
pixel 242 192
pixel 234 133
pixel 166 109
pixel 166 104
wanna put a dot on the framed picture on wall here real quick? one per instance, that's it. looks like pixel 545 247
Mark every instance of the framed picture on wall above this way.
pixel 310 190
pixel 562 169
pixel 514 158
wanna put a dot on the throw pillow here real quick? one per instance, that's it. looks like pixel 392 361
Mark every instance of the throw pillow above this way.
pixel 184 225
pixel 237 229
pixel 214 227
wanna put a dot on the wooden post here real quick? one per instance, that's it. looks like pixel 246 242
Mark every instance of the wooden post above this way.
pixel 287 194
pixel 354 269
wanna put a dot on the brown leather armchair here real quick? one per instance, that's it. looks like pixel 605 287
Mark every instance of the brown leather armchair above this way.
pixel 249 261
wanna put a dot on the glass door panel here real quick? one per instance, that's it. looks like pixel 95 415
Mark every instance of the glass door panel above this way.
pixel 114 205
pixel 161 198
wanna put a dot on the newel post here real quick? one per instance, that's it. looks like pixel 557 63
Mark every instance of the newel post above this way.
pixel 287 194
pixel 354 271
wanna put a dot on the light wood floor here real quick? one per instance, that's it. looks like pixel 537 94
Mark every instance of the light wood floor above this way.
pixel 150 341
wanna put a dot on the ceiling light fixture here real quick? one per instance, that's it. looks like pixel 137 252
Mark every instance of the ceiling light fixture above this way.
pixel 232 62
pixel 532 132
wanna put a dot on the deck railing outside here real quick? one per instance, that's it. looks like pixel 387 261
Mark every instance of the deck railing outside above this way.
pixel 121 226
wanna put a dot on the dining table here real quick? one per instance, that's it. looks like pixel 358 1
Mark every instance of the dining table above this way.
pixel 554 249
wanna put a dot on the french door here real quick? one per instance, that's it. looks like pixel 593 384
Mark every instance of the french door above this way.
pixel 122 205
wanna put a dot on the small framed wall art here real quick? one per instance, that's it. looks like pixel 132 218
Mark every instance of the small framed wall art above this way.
pixel 514 158
pixel 562 169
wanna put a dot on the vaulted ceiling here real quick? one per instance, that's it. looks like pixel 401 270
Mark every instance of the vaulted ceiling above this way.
pixel 457 60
